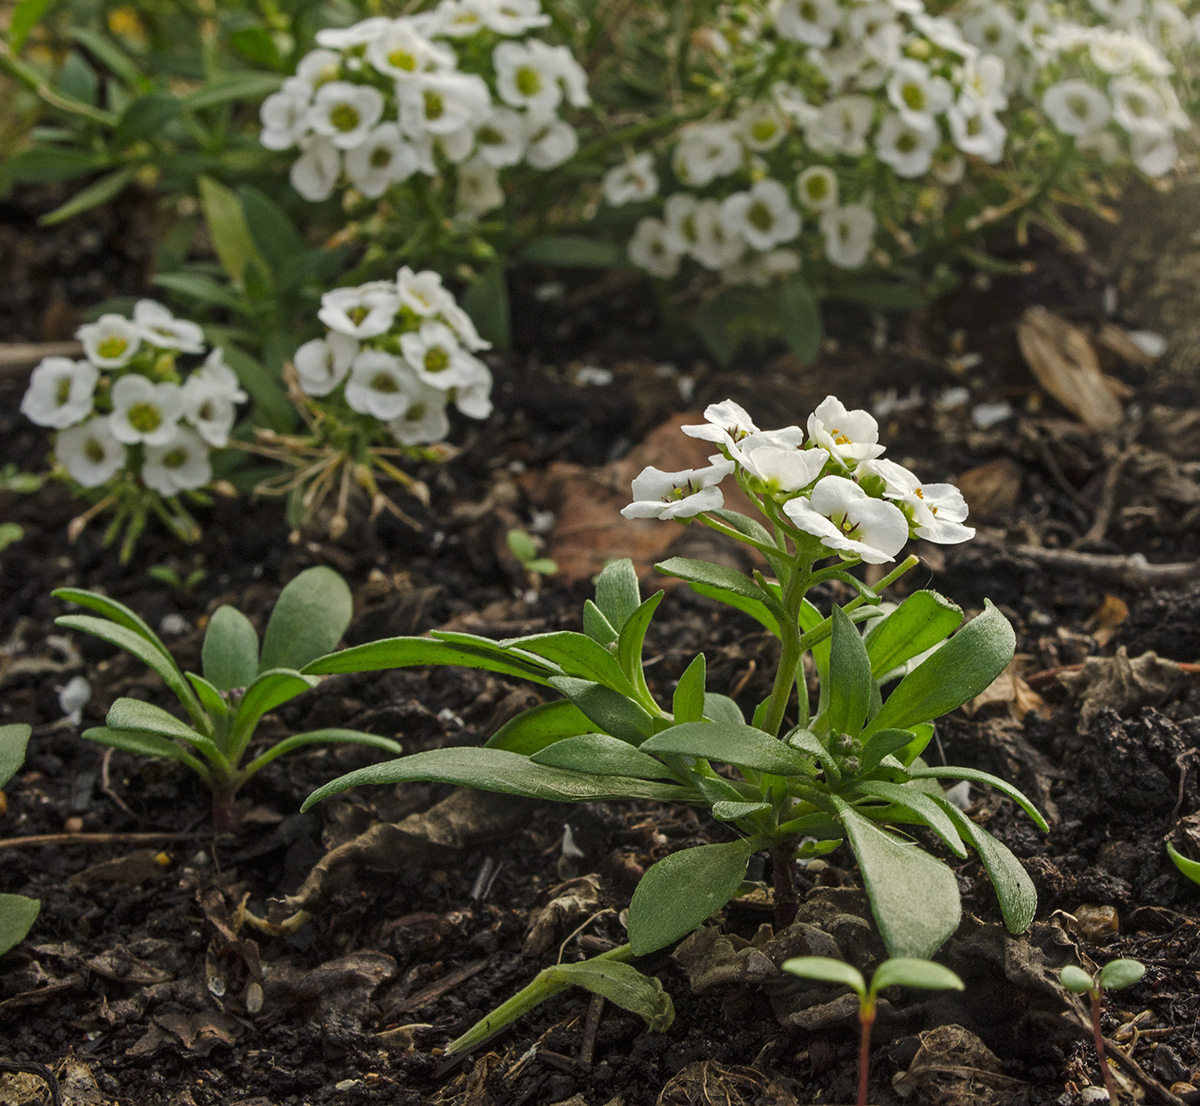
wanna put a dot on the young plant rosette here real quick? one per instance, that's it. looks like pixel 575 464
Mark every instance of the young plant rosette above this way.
pixel 374 391
pixel 133 430
pixel 800 777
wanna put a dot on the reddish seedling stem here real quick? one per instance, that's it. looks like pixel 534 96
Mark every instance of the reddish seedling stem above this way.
pixel 1098 1037
pixel 783 872
pixel 866 1018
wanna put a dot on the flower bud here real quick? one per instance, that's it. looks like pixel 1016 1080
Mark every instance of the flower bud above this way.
pixel 873 484
pixel 843 744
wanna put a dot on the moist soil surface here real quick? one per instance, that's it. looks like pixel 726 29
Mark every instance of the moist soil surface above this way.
pixel 147 981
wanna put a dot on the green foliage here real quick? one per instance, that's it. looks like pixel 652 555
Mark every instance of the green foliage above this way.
pixel 238 685
pixel 17 912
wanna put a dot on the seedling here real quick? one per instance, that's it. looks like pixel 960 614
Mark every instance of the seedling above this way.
pixel 17 912
pixel 240 683
pixel 1112 977
pixel 182 582
pixel 524 547
pixel 899 972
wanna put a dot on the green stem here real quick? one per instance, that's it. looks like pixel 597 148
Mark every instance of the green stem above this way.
pixel 791 651
pixel 32 80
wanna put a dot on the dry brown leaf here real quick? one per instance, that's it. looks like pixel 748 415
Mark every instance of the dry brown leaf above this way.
pixel 1104 621
pixel 1008 690
pixel 1065 365
pixel 991 490
pixel 953 1067
pixel 1120 683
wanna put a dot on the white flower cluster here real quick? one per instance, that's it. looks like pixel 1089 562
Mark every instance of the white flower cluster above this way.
pixel 127 409
pixel 879 105
pixel 463 84
pixel 833 483
pixel 400 351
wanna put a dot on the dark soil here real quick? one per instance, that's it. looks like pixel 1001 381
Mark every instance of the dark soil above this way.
pixel 142 982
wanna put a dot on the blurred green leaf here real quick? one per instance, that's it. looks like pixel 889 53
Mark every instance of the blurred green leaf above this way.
pixel 574 251
pixel 144 117
pixel 227 228
pixel 98 192
pixel 26 15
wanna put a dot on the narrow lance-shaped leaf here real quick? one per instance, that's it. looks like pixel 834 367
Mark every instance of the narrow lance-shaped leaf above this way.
pixel 917 624
pixel 146 744
pixel 850 677
pixel 414 652
pixel 630 642
pixel 539 726
pixel 14 739
pixel 617 592
pixel 612 712
pixel 688 702
pixel 321 737
pixel 577 655
pixel 599 754
pixel 736 744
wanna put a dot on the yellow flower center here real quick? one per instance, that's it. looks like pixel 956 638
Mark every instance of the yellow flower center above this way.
pixel 93 451
pixel 436 360
pixel 144 417
pixel 528 81
pixel 345 117
pixel 384 382
pixel 112 346
pixel 402 59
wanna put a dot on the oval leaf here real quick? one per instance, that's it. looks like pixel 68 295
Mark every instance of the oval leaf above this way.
pixel 14 739
pixel 539 726
pixel 17 915
pixel 617 592
pixel 229 657
pixel 905 971
pixel 731 743
pixel 599 754
pixel 827 970
pixel 308 621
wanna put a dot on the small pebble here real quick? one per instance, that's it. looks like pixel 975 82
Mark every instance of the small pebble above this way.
pixel 1097 923
pixel 73 825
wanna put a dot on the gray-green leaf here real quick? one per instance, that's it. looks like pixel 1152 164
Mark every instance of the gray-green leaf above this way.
pixel 309 619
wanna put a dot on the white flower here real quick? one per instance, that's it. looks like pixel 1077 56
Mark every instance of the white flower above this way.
pixel 380 384
pixel 936 511
pixel 434 353
pixel 1120 12
pixel 716 246
pixel 762 125
pixel 160 328
pixel 788 438
pixel 993 28
pixel 551 142
pixel 983 78
pixel 658 494
pixel 875 30
pixel 474 399
pixel 458 145
pixel 457 18
pixel 976 130
pixel 442 103
pixel 318 67
pixel 1137 106
pixel 479 188
pixel 529 75
pixel 633 181
pixel 323 363
pixel 90 452
pixel 512 17
pixel 783 470
pixel 424 419
pixel 284 115
pixel 809 21
pixel 1076 108
pixel 144 411
pixel 850 436
pixel 728 423
pixel 763 216
pixel 315 172
pixel 178 464
pixel 383 159
pixel 842 125
pixel 460 322
pixel 949 168
pixel 362 312
pixel 907 147
pixel 360 34
pixel 943 31
pixel 402 52
pixel 706 151
pixel 817 188
pixel 916 93
pixel 210 396
pixel 61 392
pixel 501 137
pixel 679 214
pixel 110 342
pixel 849 521
pixel 422 292
pixel 651 248
pixel 849 232
pixel 345 113
pixel 1153 153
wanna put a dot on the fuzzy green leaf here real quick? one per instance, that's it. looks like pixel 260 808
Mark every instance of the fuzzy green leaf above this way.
pixel 321 737
pixel 688 702
pixel 713 575
pixel 599 754
pixel 145 744
pixel 904 971
pixel 611 711
pixel 720 708
pixel 1075 980
pixel 827 970
pixel 596 626
pixel 725 810
pixel 577 655
pixel 740 745
pixel 229 657
pixel 631 640
pixel 417 652
pixel 270 690
pixel 950 772
pixel 1121 973
pixel 14 738
pixel 917 624
pixel 539 726
pixel 308 621
pixel 17 915
pixel 850 677
pixel 117 612
pixel 921 806
pixel 617 592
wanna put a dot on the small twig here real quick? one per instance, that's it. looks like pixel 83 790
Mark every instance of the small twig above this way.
pixel 19 357
pixel 1048 675
pixel 1131 570
pixel 1139 1075
pixel 591 1027
pixel 41 1071
pixel 96 839
pixel 1108 500
pixel 106 784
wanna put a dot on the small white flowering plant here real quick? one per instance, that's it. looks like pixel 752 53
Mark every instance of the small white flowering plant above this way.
pixel 423 117
pixel 134 429
pixel 802 774
pixel 374 391
pixel 839 148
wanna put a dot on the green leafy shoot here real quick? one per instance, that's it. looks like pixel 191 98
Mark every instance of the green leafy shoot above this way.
pixel 1115 975
pixel 239 682
pixel 17 912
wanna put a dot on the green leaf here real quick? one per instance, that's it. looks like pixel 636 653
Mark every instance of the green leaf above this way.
pixel 1014 888
pixel 827 970
pixel 269 690
pixel 118 612
pixel 919 805
pixel 631 641
pixel 273 232
pixel 951 772
pixel 850 681
pixel 507 773
pixel 904 971
pixel 913 896
pixel 234 87
pixel 740 745
pixel 957 672
pixel 755 609
pixel 1075 980
pixel 145 116
pixel 574 251
pixel 617 592
pixel 577 655
pixel 136 715
pixel 256 44
pixel 720 708
pixel 146 744
pixel 884 295
pixel 17 915
pixel 486 301
pixel 1121 973
pixel 231 237
pixel 679 892
pixel 919 623
pixel 207 291
pixel 140 647
pixel 725 810
pixel 688 702
pixel 26 15
pixel 270 401
pixel 14 739
pixel 744 524
pixel 800 318
pixel 922 736
pixel 624 986
pixel 229 657
pixel 97 193
pixel 49 164
pixel 539 726
pixel 596 626
pixel 1189 868
pixel 321 737
pixel 413 652
pixel 308 621
pixel 599 754
pixel 880 745
pixel 210 698
pixel 807 742
pixel 108 53
pixel 712 575
pixel 612 712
